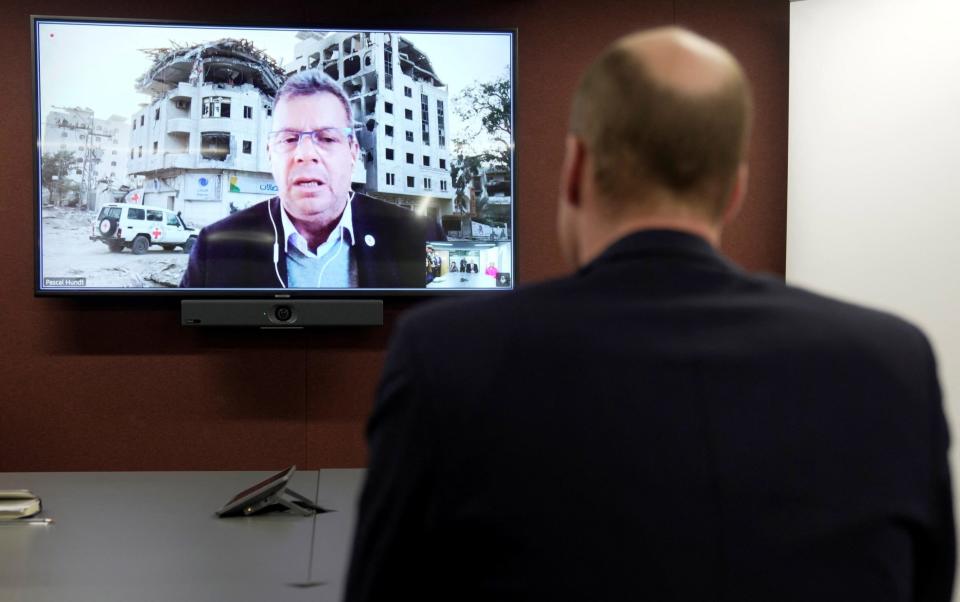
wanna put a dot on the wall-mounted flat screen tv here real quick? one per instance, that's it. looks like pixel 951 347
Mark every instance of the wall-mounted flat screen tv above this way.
pixel 200 160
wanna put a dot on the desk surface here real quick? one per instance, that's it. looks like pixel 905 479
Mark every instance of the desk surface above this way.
pixel 145 536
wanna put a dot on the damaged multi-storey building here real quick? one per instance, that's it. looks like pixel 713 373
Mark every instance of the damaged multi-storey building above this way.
pixel 201 142
pixel 98 170
pixel 401 110
pixel 491 188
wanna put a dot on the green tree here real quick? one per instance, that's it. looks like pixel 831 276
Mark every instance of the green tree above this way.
pixel 55 167
pixel 462 172
pixel 485 111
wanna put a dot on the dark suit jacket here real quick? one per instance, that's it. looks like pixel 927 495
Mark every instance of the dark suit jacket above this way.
pixel 660 426
pixel 237 251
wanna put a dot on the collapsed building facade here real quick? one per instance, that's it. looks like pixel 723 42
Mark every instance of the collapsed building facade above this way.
pixel 400 109
pixel 491 189
pixel 200 144
pixel 97 169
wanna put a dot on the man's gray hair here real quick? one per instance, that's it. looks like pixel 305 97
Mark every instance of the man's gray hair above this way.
pixel 313 81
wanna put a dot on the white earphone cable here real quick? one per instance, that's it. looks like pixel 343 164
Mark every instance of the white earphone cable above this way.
pixel 276 246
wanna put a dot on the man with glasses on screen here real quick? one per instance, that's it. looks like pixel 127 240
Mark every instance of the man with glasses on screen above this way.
pixel 318 232
pixel 660 425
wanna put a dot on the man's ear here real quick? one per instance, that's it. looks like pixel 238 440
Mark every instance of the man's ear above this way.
pixel 738 193
pixel 572 173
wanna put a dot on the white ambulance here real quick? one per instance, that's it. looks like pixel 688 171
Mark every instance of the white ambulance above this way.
pixel 121 225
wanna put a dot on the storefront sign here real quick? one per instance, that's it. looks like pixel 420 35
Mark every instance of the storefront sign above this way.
pixel 247 184
pixel 202 187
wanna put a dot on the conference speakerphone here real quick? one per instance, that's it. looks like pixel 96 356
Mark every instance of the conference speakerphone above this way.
pixel 270 494
pixel 281 313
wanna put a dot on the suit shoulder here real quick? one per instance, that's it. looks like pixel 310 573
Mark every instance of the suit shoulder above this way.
pixel 839 319
pixel 839 309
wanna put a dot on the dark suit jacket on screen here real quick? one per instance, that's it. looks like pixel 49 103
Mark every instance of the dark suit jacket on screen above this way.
pixel 660 426
pixel 237 251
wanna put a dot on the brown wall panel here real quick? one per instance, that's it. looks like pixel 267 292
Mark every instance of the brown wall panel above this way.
pixel 118 385
pixel 342 371
pixel 758 33
pixel 556 43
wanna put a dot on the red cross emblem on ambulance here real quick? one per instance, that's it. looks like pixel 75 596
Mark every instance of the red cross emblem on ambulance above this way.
pixel 157 233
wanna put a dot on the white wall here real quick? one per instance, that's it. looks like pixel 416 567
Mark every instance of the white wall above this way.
pixel 873 196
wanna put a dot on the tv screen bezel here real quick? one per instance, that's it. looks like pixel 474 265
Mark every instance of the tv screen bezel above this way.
pixel 261 293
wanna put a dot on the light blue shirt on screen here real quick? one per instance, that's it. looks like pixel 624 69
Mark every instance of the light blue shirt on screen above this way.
pixel 331 266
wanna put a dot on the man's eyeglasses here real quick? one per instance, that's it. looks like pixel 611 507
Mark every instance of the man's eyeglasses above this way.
pixel 284 141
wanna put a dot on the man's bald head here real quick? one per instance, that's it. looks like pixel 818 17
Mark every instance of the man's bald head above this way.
pixel 664 110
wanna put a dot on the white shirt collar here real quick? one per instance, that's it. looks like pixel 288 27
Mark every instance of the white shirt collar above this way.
pixel 290 233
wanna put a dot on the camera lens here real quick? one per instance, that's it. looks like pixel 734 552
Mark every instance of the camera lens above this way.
pixel 282 313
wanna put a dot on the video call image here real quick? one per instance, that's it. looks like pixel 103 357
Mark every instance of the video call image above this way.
pixel 468 264
pixel 174 131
